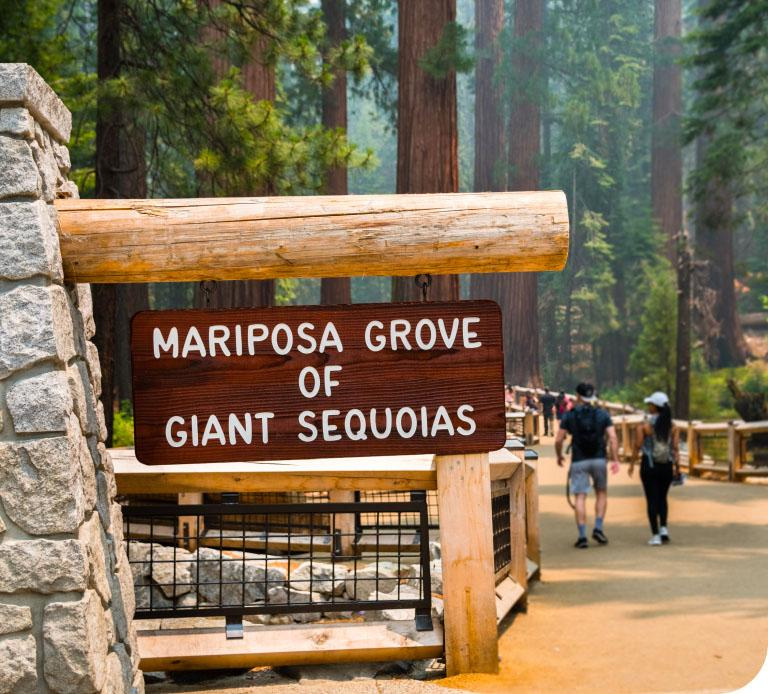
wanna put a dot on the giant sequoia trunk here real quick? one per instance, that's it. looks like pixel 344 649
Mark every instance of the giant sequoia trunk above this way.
pixel 259 79
pixel 335 290
pixel 667 178
pixel 723 340
pixel 427 137
pixel 120 173
pixel 522 320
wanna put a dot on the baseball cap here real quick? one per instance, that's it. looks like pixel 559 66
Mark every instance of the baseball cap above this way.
pixel 658 398
pixel 586 391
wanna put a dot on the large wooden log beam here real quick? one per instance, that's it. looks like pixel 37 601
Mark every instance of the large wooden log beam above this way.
pixel 314 236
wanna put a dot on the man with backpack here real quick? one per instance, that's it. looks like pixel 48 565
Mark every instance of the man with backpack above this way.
pixel 589 426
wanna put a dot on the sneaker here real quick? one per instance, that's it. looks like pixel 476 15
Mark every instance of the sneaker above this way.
pixel 599 536
pixel 664 534
pixel 655 540
pixel 581 543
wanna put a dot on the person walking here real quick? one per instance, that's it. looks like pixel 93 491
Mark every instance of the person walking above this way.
pixel 547 409
pixel 657 446
pixel 589 427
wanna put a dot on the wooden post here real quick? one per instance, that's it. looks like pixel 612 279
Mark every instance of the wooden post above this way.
pixel 693 448
pixel 344 522
pixel 188 529
pixel 532 532
pixel 517 530
pixel 466 536
pixel 734 451
pixel 528 432
pixel 626 440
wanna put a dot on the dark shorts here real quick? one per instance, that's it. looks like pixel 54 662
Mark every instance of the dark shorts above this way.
pixel 582 471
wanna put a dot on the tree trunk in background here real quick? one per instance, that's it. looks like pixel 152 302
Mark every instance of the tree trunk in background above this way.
pixel 490 164
pixel 667 179
pixel 522 321
pixel 427 135
pixel 335 290
pixel 724 343
pixel 120 173
pixel 259 79
pixel 666 152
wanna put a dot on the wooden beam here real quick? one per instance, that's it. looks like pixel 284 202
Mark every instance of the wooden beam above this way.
pixel 108 241
pixel 208 648
pixel 469 599
pixel 532 528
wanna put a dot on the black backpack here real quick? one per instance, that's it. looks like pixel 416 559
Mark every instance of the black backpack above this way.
pixel 587 435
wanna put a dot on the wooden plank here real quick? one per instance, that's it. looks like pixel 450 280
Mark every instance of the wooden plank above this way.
pixel 517 527
pixel 508 594
pixel 711 428
pixel 532 527
pixel 748 471
pixel 299 382
pixel 207 648
pixel 111 241
pixel 374 473
pixel 464 503
pixel 752 427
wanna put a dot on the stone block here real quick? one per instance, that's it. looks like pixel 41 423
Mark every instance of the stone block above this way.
pixel 29 242
pixel 41 484
pixel 124 601
pixel 36 326
pixel 18 171
pixel 85 306
pixel 14 618
pixel 75 645
pixel 50 176
pixel 138 683
pixel 21 84
pixel 40 404
pixel 377 577
pixel 16 120
pixel 68 189
pixel 18 669
pixel 172 570
pixel 94 367
pixel 97 549
pixel 61 153
pixel 2 526
pixel 82 402
pixel 43 566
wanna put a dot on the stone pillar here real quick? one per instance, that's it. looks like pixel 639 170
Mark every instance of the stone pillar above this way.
pixel 66 593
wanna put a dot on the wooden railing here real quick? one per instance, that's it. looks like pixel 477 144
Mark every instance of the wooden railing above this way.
pixel 718 449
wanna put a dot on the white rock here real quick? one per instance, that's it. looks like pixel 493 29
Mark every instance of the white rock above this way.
pixel 18 669
pixel 382 577
pixel 247 579
pixel 172 570
pixel 40 403
pixel 75 645
pixel 328 579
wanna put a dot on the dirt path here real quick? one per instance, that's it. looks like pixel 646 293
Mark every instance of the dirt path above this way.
pixel 690 616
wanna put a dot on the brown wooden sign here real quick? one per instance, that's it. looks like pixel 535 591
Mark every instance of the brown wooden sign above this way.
pixel 317 382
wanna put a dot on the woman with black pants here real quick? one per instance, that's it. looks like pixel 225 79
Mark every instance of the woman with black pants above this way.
pixel 656 443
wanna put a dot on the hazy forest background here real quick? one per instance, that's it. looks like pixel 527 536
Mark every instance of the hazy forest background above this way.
pixel 650 115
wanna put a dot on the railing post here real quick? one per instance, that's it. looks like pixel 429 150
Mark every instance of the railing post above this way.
pixel 693 448
pixel 532 533
pixel 466 537
pixel 734 451
pixel 344 522
pixel 190 539
pixel 519 567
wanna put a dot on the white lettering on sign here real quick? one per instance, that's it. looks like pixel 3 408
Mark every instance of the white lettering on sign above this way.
pixel 400 334
pixel 178 431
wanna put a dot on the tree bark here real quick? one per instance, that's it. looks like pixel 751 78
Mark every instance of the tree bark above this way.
pixel 427 135
pixel 724 345
pixel 120 173
pixel 666 151
pixel 522 320
pixel 335 290
pixel 259 79
pixel 683 348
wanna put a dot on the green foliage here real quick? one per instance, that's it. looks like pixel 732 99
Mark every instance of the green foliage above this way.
pixel 450 54
pixel 652 362
pixel 122 425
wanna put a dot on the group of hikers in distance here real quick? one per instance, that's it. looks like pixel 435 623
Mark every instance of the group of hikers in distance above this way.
pixel 594 447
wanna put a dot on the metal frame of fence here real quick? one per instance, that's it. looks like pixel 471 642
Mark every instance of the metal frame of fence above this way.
pixel 297 595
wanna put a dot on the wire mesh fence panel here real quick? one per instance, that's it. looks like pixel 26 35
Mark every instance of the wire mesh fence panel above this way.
pixel 409 521
pixel 502 534
pixel 299 571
